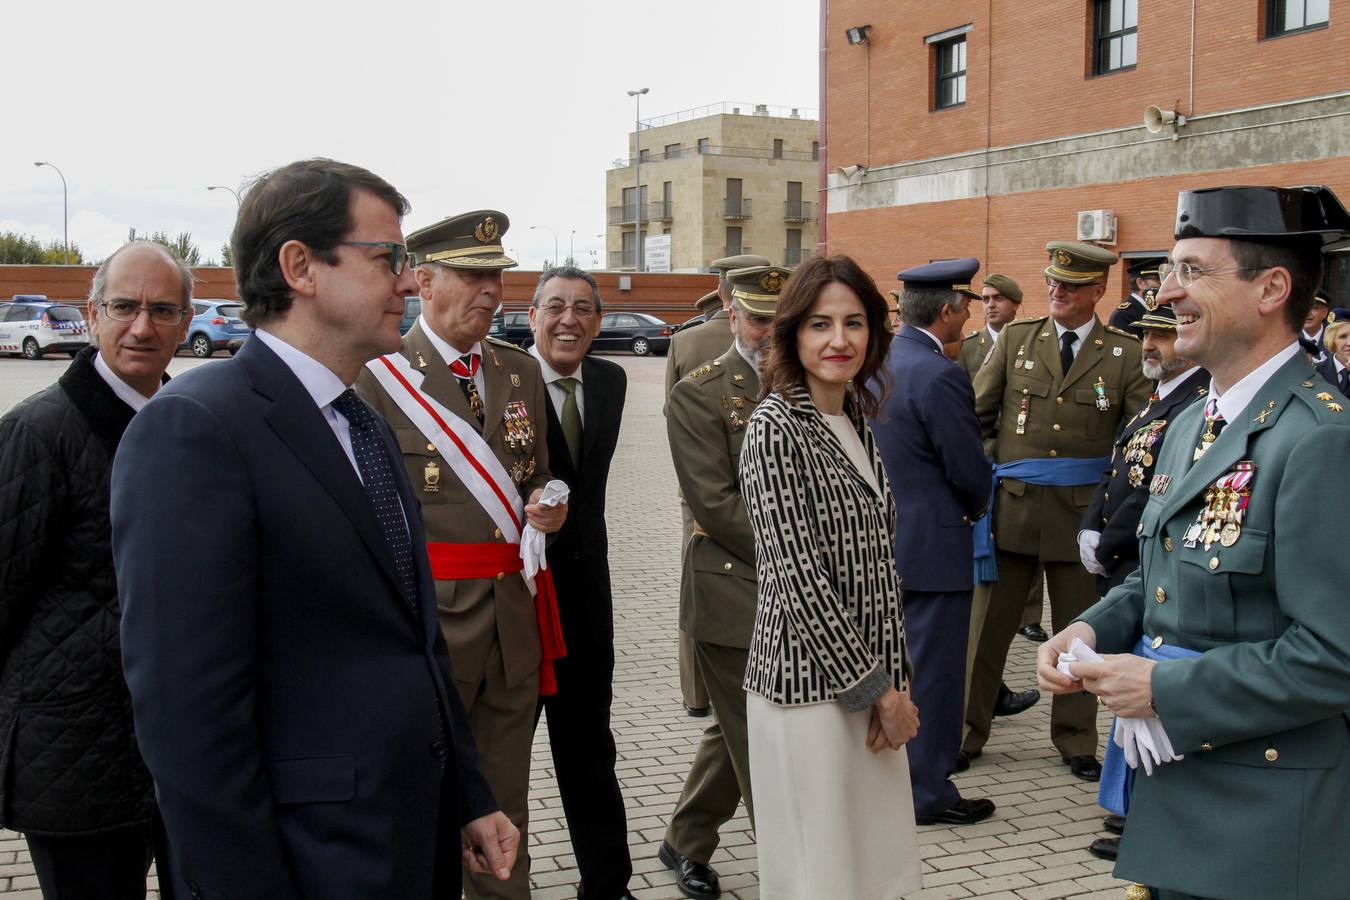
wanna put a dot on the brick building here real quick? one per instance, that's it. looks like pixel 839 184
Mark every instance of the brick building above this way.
pixel 720 180
pixel 987 127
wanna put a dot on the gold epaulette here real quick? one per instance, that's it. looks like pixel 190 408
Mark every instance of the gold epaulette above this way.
pixel 1114 330
pixel 701 371
pixel 498 342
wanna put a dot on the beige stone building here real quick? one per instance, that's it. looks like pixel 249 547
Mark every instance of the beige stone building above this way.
pixel 720 180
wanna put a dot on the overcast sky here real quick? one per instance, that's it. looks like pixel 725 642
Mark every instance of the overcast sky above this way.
pixel 518 105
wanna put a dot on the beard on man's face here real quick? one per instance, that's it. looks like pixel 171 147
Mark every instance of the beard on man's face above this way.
pixel 752 352
pixel 1156 369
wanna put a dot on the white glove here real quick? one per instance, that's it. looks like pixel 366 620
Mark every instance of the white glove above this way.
pixel 532 539
pixel 1087 551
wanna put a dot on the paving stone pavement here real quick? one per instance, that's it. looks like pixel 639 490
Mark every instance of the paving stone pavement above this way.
pixel 1033 848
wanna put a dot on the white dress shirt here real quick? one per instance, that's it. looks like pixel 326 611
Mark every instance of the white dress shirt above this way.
pixel 125 392
pixel 321 384
pixel 1233 401
pixel 556 395
pixel 993 335
pixel 1082 331
pixel 449 354
pixel 932 337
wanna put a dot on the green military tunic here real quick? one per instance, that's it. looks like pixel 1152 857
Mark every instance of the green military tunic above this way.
pixel 1256 807
pixel 975 349
pixel 695 346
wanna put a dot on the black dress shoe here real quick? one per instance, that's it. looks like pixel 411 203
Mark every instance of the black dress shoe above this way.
pixel 1114 824
pixel 1084 767
pixel 962 812
pixel 1105 848
pixel 1014 702
pixel 963 759
pixel 1034 633
pixel 694 879
pixel 697 712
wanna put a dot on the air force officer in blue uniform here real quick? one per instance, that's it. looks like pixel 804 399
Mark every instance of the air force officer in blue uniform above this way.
pixel 929 440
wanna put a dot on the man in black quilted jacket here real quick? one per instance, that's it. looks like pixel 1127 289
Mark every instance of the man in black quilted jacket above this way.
pixel 71 776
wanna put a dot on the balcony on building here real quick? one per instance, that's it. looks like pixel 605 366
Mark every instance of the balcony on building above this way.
pixel 661 210
pixel 624 215
pixel 622 259
pixel 797 211
pixel 736 208
pixel 737 251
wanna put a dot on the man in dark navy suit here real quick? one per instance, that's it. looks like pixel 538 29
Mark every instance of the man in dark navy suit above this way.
pixel 586 397
pixel 292 692
pixel 929 440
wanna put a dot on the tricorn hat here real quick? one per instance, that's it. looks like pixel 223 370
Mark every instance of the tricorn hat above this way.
pixel 1270 214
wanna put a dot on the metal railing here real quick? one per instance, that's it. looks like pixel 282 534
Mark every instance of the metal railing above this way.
pixel 797 211
pixel 736 209
pixel 731 108
pixel 736 251
pixel 661 210
pixel 623 259
pixel 742 152
pixel 795 256
pixel 624 215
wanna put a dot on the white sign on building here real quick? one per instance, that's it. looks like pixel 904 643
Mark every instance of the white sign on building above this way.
pixel 657 256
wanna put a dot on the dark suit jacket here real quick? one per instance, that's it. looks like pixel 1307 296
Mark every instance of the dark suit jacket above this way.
pixel 929 440
pixel 579 555
pixel 1327 369
pixel 288 701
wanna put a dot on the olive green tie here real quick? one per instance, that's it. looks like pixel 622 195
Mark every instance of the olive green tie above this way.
pixel 571 419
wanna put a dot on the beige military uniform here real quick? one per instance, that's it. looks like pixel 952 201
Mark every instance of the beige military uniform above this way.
pixel 1028 409
pixel 706 417
pixel 489 623
pixel 975 349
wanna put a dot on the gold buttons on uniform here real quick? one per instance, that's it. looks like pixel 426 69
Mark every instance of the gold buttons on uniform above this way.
pixel 431 448
pixel 1113 473
pixel 501 575
pixel 1026 391
pixel 1056 426
pixel 1160 595
pixel 1059 401
pixel 1167 544
pixel 1053 453
pixel 1157 642
pixel 726 566
pixel 1213 563
pixel 1272 754
pixel 1206 746
pixel 1139 529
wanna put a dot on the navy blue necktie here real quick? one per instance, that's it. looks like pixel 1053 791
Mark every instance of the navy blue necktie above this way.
pixel 377 472
pixel 1345 382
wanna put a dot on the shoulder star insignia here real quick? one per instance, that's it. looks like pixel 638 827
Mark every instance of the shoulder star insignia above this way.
pixel 701 371
pixel 1323 396
pixel 738 378
pixel 1335 407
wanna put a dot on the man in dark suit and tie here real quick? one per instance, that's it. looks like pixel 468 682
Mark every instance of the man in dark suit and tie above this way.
pixel 293 696
pixel 586 397
pixel 929 439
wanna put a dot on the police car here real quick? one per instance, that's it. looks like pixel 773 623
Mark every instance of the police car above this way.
pixel 33 325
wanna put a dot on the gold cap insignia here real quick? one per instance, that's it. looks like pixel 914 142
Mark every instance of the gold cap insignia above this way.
pixel 487 230
pixel 1150 299
pixel 1062 258
pixel 772 282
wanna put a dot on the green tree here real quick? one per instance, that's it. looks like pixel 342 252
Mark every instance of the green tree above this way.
pixel 20 249
pixel 54 254
pixel 182 245
pixel 226 258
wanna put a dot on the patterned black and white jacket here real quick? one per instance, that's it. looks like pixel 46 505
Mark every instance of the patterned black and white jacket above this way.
pixel 829 623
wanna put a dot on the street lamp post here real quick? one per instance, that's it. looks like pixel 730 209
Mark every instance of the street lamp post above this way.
pixel 555 241
pixel 572 248
pixel 221 187
pixel 65 212
pixel 637 174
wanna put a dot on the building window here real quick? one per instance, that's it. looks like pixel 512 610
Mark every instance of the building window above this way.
pixel 777 148
pixel 1287 16
pixel 1117 30
pixel 702 146
pixel 734 246
pixel 644 155
pixel 815 151
pixel 951 73
pixel 672 151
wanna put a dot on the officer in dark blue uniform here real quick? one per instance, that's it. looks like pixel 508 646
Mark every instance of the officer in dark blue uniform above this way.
pixel 1144 278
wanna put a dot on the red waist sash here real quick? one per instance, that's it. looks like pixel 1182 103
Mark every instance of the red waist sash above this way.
pixel 457 562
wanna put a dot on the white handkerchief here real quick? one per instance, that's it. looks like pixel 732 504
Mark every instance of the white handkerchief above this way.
pixel 1143 740
pixel 532 539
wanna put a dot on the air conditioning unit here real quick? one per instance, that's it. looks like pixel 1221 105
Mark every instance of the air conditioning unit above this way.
pixel 1097 225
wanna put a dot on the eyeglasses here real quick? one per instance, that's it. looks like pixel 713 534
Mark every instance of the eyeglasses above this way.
pixel 1066 287
pixel 582 309
pixel 398 253
pixel 130 311
pixel 1186 274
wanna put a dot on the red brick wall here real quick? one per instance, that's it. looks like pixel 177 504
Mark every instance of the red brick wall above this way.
pixel 670 297
pixel 887 240
pixel 1039 71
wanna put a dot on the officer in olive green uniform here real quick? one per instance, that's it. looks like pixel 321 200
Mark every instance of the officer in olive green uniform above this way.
pixel 690 349
pixel 1233 632
pixel 977 346
pixel 1051 399
pixel 490 622
pixel 706 417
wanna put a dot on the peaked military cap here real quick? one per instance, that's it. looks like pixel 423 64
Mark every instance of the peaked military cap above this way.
pixel 1271 214
pixel 709 303
pixel 757 288
pixel 1161 317
pixel 1005 286
pixel 743 261
pixel 1075 263
pixel 470 241
pixel 949 274
pixel 1146 266
pixel 1322 297
pixel 1339 314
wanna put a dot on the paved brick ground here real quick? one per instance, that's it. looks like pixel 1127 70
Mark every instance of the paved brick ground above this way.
pixel 1032 848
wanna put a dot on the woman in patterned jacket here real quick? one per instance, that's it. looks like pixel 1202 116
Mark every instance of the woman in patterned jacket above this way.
pixel 827 705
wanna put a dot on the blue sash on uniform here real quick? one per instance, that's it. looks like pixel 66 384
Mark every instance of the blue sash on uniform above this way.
pixel 1113 793
pixel 1061 472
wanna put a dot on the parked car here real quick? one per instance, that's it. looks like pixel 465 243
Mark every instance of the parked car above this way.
pixel 216 325
pixel 690 323
pixel 412 308
pixel 638 332
pixel 516 328
pixel 33 325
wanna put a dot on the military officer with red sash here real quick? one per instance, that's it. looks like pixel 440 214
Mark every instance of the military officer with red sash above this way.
pixel 470 418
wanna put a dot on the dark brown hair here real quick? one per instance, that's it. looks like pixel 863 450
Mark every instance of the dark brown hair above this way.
pixel 1302 259
pixel 783 367
pixel 308 201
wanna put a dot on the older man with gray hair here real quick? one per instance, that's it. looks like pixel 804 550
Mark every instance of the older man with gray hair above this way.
pixel 75 783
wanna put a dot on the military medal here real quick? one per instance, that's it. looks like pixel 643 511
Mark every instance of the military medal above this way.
pixel 1137 450
pixel 1022 416
pixel 431 478
pixel 1021 361
pixel 1207 438
pixel 519 429
pixel 1099 388
pixel 522 470
pixel 1220 519
pixel 1158 486
pixel 475 398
